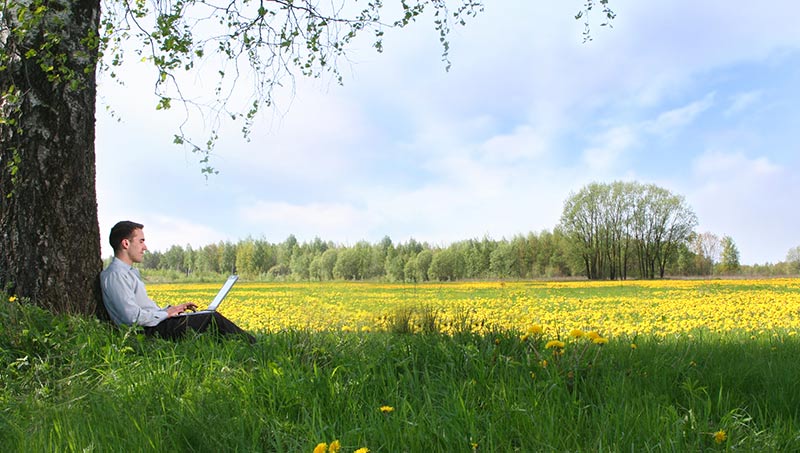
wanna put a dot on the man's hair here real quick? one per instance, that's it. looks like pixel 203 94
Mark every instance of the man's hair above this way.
pixel 122 230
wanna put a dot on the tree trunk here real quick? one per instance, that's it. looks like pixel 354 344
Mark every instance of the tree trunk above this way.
pixel 49 234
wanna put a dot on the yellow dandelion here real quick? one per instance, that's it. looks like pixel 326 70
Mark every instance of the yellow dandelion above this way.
pixel 576 333
pixel 535 329
pixel 362 450
pixel 720 436
pixel 335 447
pixel 592 335
pixel 386 409
pixel 554 344
pixel 633 346
pixel 543 363
pixel 12 299
pixel 321 447
pixel 523 338
pixel 600 340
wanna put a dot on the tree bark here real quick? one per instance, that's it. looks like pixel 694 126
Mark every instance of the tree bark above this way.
pixel 49 234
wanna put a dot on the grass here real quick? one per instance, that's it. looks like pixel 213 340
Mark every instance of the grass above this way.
pixel 75 384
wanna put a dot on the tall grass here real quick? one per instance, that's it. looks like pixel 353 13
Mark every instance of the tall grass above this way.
pixel 75 384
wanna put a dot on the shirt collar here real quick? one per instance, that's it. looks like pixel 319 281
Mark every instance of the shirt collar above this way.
pixel 116 262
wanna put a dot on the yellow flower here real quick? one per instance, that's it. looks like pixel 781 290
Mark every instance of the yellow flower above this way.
pixel 554 344
pixel 593 335
pixel 386 409
pixel 335 446
pixel 535 329
pixel 321 447
pixel 12 299
pixel 523 338
pixel 576 333
pixel 720 436
pixel 633 346
pixel 543 363
pixel 600 340
pixel 362 450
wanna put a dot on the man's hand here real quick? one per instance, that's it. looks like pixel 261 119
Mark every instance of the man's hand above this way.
pixel 178 309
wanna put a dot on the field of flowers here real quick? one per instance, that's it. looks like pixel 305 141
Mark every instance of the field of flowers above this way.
pixel 660 308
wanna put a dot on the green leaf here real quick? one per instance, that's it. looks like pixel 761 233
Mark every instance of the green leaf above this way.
pixel 164 104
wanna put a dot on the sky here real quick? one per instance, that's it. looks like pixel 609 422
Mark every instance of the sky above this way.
pixel 699 98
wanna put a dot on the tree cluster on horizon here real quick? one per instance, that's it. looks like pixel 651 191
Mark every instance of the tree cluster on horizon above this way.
pixel 607 231
pixel 542 255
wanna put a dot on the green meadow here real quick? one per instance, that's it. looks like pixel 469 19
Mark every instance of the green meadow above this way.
pixel 76 384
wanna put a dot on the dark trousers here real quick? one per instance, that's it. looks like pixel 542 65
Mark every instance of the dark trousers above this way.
pixel 177 326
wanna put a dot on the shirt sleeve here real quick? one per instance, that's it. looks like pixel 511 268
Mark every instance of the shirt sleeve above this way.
pixel 123 303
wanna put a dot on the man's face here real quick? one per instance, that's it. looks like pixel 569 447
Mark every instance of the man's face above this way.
pixel 136 246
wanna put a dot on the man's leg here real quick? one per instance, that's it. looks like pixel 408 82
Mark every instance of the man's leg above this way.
pixel 222 325
pixel 170 328
pixel 176 327
pixel 226 327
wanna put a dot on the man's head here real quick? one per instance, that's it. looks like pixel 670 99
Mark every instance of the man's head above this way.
pixel 127 239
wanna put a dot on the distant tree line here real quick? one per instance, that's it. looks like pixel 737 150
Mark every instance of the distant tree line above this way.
pixel 607 231
pixel 532 256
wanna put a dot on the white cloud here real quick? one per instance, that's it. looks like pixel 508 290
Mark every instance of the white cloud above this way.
pixel 163 231
pixel 167 230
pixel 742 101
pixel 668 122
pixel 611 146
pixel 746 198
pixel 733 167
pixel 317 137
pixel 498 202
pixel 332 221
pixel 523 143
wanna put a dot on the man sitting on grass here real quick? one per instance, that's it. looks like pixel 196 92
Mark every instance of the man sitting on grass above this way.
pixel 125 297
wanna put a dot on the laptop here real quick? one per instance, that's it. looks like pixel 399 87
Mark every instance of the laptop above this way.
pixel 212 307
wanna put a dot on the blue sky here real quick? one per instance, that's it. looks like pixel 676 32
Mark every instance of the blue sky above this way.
pixel 699 98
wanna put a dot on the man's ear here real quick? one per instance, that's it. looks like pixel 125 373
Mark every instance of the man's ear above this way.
pixel 125 243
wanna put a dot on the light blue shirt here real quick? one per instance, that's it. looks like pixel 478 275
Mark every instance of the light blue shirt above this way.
pixel 125 297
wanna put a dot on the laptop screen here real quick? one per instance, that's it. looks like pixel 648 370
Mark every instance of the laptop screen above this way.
pixel 222 292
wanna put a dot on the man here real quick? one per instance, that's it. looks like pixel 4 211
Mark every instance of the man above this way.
pixel 125 297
